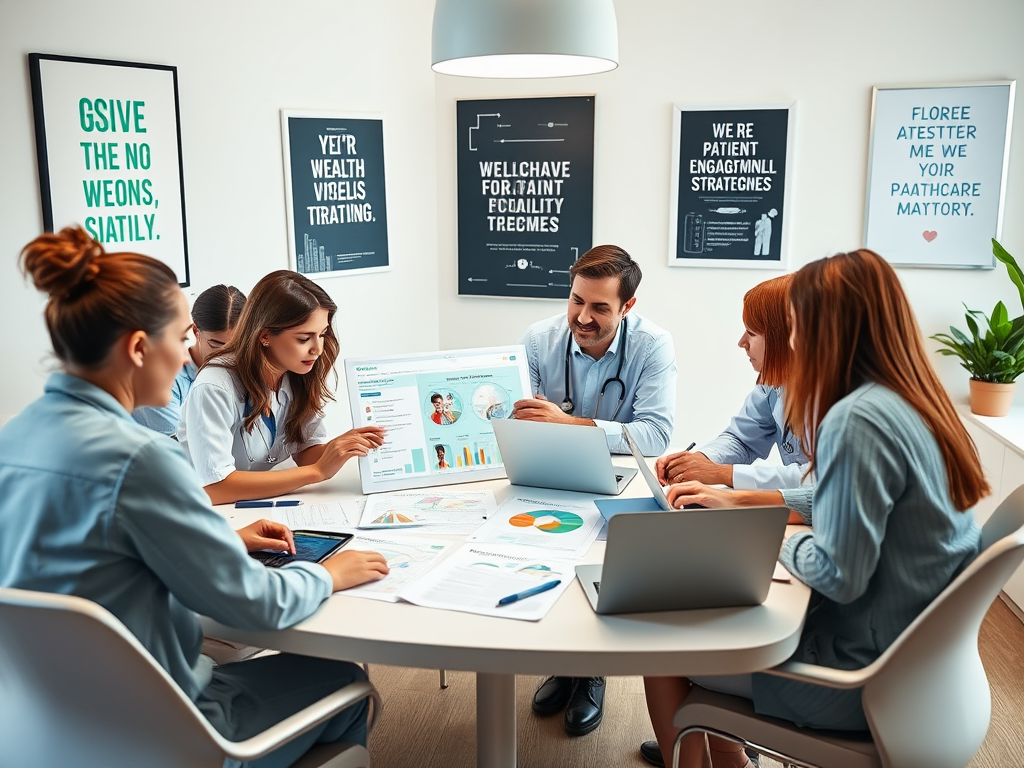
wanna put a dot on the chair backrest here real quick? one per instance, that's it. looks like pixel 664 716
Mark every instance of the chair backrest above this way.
pixel 930 704
pixel 1008 517
pixel 77 688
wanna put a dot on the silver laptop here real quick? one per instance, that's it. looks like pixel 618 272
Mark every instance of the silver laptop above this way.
pixel 683 559
pixel 652 482
pixel 562 456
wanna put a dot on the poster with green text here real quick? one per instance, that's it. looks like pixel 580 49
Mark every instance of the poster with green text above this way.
pixel 109 151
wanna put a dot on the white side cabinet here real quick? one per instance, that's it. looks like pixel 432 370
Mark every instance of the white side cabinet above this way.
pixel 1000 444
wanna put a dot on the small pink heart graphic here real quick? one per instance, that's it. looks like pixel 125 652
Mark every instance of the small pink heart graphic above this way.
pixel 929 234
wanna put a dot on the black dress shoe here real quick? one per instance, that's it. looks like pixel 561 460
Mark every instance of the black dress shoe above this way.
pixel 651 752
pixel 553 695
pixel 586 706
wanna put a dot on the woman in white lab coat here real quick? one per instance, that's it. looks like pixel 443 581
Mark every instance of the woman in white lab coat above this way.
pixel 261 400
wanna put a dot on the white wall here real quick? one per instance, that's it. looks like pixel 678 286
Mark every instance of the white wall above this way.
pixel 239 63
pixel 825 56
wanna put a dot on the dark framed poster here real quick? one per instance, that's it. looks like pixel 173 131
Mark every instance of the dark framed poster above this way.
pixel 108 144
pixel 937 172
pixel 526 194
pixel 730 166
pixel 335 192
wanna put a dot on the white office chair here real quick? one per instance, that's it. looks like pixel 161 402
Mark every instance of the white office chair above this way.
pixel 77 688
pixel 926 698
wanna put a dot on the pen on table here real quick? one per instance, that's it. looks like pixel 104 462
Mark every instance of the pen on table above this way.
pixel 528 593
pixel 258 503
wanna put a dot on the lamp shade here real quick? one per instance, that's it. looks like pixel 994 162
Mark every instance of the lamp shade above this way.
pixel 524 38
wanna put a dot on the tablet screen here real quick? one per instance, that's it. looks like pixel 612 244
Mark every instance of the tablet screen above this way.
pixel 308 547
pixel 437 409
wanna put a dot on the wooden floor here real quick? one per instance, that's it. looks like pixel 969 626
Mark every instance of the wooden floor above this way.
pixel 423 726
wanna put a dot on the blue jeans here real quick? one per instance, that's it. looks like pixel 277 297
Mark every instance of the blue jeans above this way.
pixel 248 697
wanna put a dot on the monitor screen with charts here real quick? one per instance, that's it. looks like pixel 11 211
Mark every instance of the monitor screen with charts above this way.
pixel 437 408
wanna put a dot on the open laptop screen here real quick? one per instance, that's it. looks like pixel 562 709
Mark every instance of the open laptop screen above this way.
pixel 437 408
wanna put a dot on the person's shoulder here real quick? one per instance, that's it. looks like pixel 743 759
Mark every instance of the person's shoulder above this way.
pixel 641 324
pixel 220 373
pixel 549 325
pixel 871 406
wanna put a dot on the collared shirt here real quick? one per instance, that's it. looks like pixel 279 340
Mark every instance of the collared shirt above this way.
pixel 886 541
pixel 648 370
pixel 98 506
pixel 759 425
pixel 165 420
pixel 212 429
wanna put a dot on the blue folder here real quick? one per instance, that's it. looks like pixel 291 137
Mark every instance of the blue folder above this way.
pixel 611 507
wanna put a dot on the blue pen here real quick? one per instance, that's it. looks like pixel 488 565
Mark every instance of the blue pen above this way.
pixel 529 592
pixel 260 503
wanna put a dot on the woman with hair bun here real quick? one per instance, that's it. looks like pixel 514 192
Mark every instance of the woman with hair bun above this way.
pixel 761 423
pixel 98 506
pixel 261 400
pixel 214 316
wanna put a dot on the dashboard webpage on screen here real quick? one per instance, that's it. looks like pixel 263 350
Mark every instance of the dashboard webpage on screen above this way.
pixel 437 408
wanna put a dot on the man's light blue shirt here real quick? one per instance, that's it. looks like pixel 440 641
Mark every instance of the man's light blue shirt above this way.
pixel 165 420
pixel 98 506
pixel 648 370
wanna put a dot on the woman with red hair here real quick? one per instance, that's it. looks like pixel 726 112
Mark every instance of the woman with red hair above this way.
pixel 761 424
pixel 896 476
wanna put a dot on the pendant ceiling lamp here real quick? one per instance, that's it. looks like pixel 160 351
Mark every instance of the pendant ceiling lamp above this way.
pixel 524 38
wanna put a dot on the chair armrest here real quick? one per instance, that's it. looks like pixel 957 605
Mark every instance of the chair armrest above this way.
pixel 845 679
pixel 296 725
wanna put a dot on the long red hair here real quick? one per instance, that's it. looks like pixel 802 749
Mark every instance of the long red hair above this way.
pixel 766 313
pixel 854 325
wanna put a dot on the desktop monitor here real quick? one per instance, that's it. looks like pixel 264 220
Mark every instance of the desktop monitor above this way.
pixel 437 408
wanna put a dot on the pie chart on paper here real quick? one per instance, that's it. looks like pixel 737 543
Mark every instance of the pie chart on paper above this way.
pixel 547 520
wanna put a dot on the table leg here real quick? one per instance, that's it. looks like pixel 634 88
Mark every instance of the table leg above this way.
pixel 495 721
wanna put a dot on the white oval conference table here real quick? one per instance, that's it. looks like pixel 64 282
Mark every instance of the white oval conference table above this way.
pixel 571 640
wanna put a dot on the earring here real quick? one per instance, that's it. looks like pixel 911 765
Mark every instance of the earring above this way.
pixel 266 343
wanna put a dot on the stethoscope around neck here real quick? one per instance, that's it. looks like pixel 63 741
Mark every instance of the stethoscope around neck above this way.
pixel 567 404
pixel 271 423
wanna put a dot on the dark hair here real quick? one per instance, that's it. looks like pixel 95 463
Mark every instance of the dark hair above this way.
pixel 218 308
pixel 853 307
pixel 281 300
pixel 439 448
pixel 96 297
pixel 609 261
pixel 766 312
pixel 436 396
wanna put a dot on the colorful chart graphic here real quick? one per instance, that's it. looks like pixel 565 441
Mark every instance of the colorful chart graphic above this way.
pixel 538 570
pixel 392 517
pixel 548 520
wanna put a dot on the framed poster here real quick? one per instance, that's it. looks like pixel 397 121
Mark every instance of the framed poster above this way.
pixel 525 194
pixel 730 166
pixel 937 173
pixel 108 144
pixel 335 192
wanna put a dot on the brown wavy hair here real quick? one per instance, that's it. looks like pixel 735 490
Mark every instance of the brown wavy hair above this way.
pixel 766 313
pixel 854 325
pixel 280 301
pixel 96 297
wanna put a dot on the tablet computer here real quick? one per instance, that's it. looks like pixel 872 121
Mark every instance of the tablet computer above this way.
pixel 310 547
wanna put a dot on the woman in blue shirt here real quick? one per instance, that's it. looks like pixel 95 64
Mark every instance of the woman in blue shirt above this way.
pixel 761 424
pixel 262 400
pixel 896 477
pixel 98 506
pixel 214 316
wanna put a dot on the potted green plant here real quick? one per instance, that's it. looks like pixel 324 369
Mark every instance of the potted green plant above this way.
pixel 996 358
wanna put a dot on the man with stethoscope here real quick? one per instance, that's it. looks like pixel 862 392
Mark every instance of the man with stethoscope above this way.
pixel 599 364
